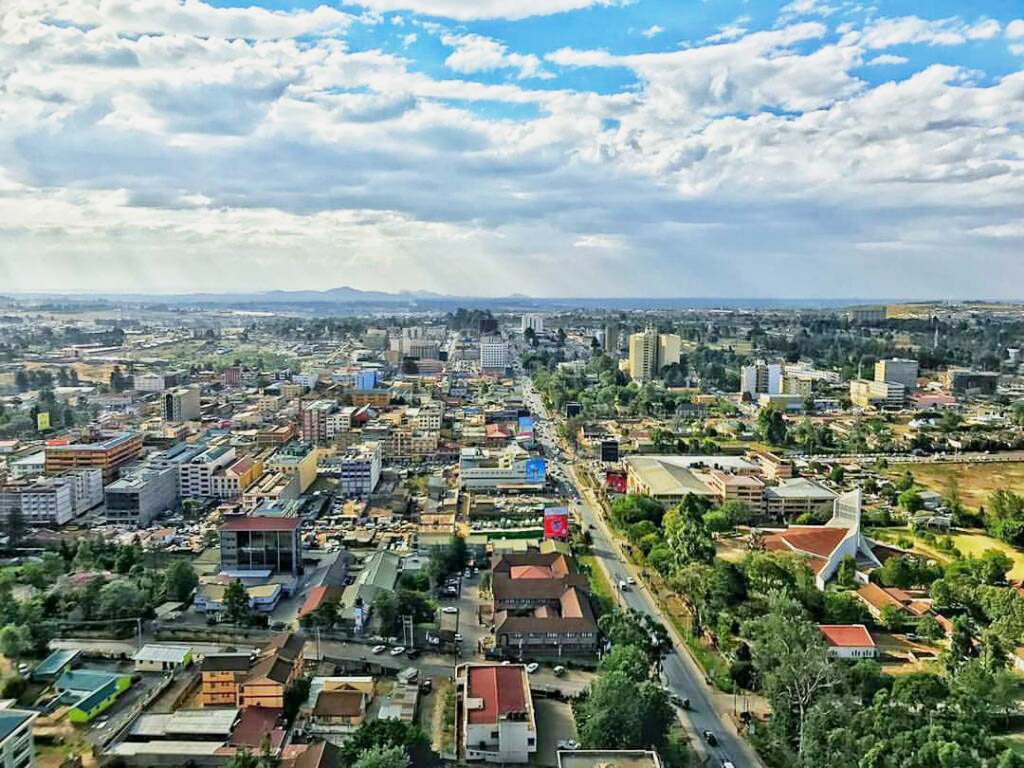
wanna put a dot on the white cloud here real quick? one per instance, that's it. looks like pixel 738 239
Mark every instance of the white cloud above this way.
pixel 1017 50
pixel 806 8
pixel 476 53
pixel 1012 229
pixel 409 39
pixel 1015 29
pixel 730 31
pixel 886 33
pixel 886 58
pixel 468 10
pixel 598 241
pixel 652 31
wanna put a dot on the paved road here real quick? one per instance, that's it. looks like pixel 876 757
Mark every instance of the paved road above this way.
pixel 683 676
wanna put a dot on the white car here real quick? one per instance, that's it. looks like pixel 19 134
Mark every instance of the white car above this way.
pixel 630 580
pixel 379 649
pixel 569 744
pixel 398 650
pixel 532 667
pixel 449 609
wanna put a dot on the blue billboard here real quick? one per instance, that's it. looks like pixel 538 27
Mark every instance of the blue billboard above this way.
pixel 526 425
pixel 536 470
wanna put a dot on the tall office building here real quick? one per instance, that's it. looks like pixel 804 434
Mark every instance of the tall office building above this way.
pixel 493 353
pixel 611 338
pixel 181 404
pixel 761 378
pixel 650 351
pixel 534 322
pixel 899 371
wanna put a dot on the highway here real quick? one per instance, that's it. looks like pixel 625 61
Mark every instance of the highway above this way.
pixel 683 676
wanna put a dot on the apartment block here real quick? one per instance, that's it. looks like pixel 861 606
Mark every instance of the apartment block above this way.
pixel 141 495
pixel 261 543
pixel 493 353
pixel 865 393
pixel 182 404
pixel 761 377
pixel 532 322
pixel 358 469
pixel 651 351
pixel 898 370
pixel 107 455
pixel 298 459
pixel 498 722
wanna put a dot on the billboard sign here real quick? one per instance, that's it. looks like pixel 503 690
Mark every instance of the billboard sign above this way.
pixel 556 523
pixel 43 421
pixel 525 425
pixel 536 470
pixel 616 481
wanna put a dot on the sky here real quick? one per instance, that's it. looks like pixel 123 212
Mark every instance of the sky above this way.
pixel 555 148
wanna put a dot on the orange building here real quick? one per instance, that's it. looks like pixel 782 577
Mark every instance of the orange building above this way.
pixel 108 455
pixel 233 680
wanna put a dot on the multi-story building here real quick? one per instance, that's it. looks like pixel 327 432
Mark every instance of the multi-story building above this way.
pixel 17 749
pixel 797 496
pixel 493 353
pixel 867 314
pixel 156 382
pixel 962 381
pixel 898 370
pixel 261 543
pixel 498 723
pixel 761 377
pixel 358 469
pixel 532 322
pixel 182 404
pixel 271 487
pixel 274 436
pixel 315 416
pixel 428 417
pixel 221 673
pixel 732 487
pixel 298 459
pixel 651 351
pixel 510 469
pixel 233 480
pixel 107 455
pixel 47 502
pixel 232 376
pixel 141 495
pixel 611 338
pixel 197 467
pixel 865 393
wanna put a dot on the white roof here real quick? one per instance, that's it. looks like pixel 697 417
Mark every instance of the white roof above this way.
pixel 171 653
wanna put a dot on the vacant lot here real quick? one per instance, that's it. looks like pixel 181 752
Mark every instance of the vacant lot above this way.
pixel 970 544
pixel 976 481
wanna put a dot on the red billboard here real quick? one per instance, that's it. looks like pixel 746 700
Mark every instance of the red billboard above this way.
pixel 616 481
pixel 556 523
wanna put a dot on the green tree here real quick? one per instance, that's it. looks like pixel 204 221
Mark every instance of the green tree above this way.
pixel 685 532
pixel 619 713
pixel 911 501
pixel 771 426
pixel 15 528
pixel 383 757
pixel 14 641
pixel 180 580
pixel 377 734
pixel 236 603
pixel 629 660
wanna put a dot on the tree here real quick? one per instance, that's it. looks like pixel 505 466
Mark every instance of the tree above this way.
pixel 846 572
pixel 911 501
pixel 385 608
pixel 929 628
pixel 180 580
pixel 627 659
pixel 791 660
pixel 383 757
pixel 15 528
pixel 377 734
pixel 1005 516
pixel 14 641
pixel 961 646
pixel 891 617
pixel 685 532
pixel 771 426
pixel 121 599
pixel 236 603
pixel 619 713
pixel 837 474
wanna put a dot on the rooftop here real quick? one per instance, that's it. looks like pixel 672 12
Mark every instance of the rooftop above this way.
pixel 12 719
pixel 500 690
pixel 261 524
pixel 847 635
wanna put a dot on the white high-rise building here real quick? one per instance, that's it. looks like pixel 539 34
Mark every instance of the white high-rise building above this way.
pixel 493 353
pixel 651 351
pixel 761 378
pixel 534 322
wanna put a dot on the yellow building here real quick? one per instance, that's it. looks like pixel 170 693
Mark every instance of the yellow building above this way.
pixel 650 351
pixel 296 459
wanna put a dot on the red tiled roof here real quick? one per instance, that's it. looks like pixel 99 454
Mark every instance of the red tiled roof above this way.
pixel 530 572
pixel 254 723
pixel 261 524
pixel 318 596
pixel 877 597
pixel 847 635
pixel 810 539
pixel 499 688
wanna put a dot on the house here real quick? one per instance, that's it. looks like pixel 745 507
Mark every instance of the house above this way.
pixel 55 665
pixel 221 674
pixel 336 706
pixel 17 748
pixel 322 755
pixel 878 598
pixel 498 724
pixel 848 641
pixel 527 580
pixel 237 680
pixel 608 758
pixel 90 692
pixel 825 546
pixel 162 658
pixel 569 628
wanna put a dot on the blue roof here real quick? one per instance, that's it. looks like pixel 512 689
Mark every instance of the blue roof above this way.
pixel 11 720
pixel 54 663
pixel 84 680
pixel 97 696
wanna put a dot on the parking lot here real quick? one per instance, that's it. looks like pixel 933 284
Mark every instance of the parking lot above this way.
pixel 554 723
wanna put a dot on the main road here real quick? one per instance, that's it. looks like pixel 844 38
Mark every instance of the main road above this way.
pixel 681 673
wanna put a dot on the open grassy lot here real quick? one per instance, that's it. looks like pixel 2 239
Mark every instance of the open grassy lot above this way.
pixel 600 587
pixel 976 481
pixel 969 543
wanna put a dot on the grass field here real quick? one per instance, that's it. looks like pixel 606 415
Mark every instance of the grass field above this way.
pixel 969 544
pixel 599 584
pixel 976 481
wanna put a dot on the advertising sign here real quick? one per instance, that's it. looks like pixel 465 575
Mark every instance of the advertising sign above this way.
pixel 616 481
pixel 525 425
pixel 556 523
pixel 43 421
pixel 536 470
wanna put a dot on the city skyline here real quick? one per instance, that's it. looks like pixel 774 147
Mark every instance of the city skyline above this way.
pixel 551 148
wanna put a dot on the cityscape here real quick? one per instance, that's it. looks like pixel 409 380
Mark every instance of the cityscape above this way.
pixel 556 383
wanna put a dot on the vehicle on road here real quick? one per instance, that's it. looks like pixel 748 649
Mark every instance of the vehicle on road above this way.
pixel 427 686
pixel 532 667
pixel 569 744
pixel 449 609
pixel 413 653
pixel 398 650
pixel 710 738
pixel 559 670
pixel 728 764
pixel 630 580
pixel 458 637
pixel 379 649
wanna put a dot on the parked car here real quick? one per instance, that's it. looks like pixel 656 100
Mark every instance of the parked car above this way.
pixel 559 670
pixel 427 686
pixel 398 650
pixel 413 653
pixel 379 649
pixel 568 744
pixel 630 580
pixel 532 667
pixel 449 609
